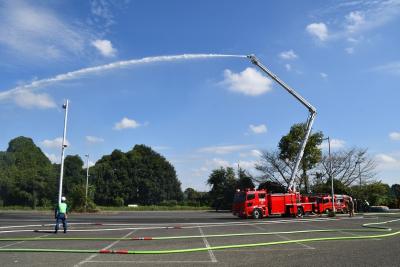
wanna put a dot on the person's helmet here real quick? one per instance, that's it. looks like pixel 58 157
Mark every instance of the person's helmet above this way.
pixel 63 199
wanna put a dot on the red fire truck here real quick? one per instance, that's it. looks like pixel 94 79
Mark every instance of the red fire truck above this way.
pixel 259 203
pixel 323 203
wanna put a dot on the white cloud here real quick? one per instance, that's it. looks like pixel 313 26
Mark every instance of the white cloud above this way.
pixel 91 164
pixel 395 136
pixel 220 163
pixel 288 67
pixel 290 54
pixel 33 31
pixel 349 50
pixel 335 144
pixel 391 68
pixel 383 158
pixel 101 11
pixel 318 30
pixel 105 47
pixel 53 158
pixel 256 153
pixel 388 162
pixel 248 82
pixel 247 165
pixel 258 129
pixel 126 123
pixel 94 139
pixel 371 15
pixel 223 149
pixel 324 75
pixel 26 99
pixel 55 143
pixel 355 20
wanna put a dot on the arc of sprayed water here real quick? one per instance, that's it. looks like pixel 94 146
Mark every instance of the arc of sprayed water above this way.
pixel 114 65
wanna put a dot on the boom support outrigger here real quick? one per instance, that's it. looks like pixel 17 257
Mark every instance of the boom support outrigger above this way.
pixel 312 110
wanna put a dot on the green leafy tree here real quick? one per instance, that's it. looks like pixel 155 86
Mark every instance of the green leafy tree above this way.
pixel 245 180
pixel 140 176
pixel 289 147
pixel 272 187
pixel 395 190
pixel 376 193
pixel 326 187
pixel 223 185
pixel 73 173
pixel 30 176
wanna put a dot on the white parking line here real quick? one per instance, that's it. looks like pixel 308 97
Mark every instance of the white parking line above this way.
pixel 107 247
pixel 210 252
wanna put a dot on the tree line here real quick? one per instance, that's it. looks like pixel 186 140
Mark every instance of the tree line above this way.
pixel 139 176
pixel 143 176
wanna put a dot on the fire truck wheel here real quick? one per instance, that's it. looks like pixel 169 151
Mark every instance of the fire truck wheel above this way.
pixel 299 212
pixel 257 214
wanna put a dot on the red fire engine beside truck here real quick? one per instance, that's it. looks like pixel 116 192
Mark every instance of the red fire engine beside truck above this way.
pixel 323 203
pixel 257 204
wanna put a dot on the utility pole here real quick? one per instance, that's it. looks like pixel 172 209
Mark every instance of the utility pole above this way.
pixel 87 180
pixel 63 146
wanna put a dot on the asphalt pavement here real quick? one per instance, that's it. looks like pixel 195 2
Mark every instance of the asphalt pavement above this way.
pixel 205 230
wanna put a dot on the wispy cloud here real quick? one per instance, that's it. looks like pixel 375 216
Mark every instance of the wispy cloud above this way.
pixel 105 47
pixel 385 158
pixel 249 82
pixel 55 143
pixel 102 14
pixel 224 149
pixel 91 164
pixel 388 162
pixel 258 129
pixel 391 68
pixel 323 75
pixel 349 50
pixel 395 136
pixel 32 31
pixel 28 100
pixel 335 144
pixel 53 158
pixel 352 20
pixel 318 30
pixel 126 123
pixel 290 54
pixel 94 139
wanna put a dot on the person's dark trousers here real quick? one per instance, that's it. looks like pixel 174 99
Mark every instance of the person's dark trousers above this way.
pixel 61 217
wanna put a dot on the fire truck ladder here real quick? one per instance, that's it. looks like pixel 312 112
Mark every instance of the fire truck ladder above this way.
pixel 312 113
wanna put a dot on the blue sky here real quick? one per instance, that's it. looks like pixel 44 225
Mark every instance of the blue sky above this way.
pixel 200 113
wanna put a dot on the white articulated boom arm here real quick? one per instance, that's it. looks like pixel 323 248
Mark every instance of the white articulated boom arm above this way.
pixel 310 121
